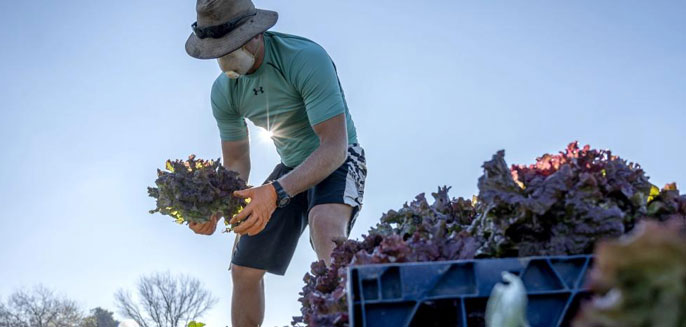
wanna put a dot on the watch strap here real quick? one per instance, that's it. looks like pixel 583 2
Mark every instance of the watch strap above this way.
pixel 280 193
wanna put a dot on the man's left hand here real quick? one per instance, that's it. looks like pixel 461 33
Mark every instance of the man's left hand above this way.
pixel 257 213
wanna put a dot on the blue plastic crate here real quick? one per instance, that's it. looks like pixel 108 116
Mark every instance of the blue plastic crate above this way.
pixel 454 293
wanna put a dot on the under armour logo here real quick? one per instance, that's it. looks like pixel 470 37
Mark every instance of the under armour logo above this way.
pixel 260 90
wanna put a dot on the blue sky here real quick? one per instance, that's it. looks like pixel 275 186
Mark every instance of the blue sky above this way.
pixel 95 95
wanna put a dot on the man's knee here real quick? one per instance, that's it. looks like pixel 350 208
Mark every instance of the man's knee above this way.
pixel 329 219
pixel 245 275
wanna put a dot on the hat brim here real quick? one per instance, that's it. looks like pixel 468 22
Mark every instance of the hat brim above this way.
pixel 209 48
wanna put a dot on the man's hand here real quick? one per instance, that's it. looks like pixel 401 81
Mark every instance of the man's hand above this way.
pixel 207 228
pixel 258 212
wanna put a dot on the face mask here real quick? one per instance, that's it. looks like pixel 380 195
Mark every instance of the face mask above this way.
pixel 236 63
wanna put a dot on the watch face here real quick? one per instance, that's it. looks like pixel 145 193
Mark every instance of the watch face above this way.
pixel 284 202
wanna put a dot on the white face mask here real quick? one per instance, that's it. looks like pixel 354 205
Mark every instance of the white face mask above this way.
pixel 236 63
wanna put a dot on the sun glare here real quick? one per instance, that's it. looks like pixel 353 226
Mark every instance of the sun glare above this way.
pixel 265 135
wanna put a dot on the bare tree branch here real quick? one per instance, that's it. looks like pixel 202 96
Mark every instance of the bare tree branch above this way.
pixel 39 307
pixel 129 309
pixel 165 300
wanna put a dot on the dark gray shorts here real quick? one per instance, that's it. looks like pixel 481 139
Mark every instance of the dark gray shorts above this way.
pixel 273 248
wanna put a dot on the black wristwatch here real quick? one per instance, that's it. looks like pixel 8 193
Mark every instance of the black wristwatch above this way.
pixel 282 198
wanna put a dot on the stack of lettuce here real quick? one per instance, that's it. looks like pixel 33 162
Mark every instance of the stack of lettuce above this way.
pixel 561 205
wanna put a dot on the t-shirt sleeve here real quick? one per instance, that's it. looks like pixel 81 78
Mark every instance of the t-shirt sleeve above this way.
pixel 231 125
pixel 314 75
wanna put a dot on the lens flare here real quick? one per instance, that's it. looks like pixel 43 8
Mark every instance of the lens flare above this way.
pixel 265 135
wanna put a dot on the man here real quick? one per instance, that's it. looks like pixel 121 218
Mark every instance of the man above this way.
pixel 287 85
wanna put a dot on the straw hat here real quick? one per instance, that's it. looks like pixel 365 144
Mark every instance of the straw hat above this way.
pixel 225 25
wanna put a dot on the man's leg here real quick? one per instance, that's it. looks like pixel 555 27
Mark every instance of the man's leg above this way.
pixel 328 222
pixel 247 301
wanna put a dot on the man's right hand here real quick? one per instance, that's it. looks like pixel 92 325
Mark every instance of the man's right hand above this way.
pixel 207 228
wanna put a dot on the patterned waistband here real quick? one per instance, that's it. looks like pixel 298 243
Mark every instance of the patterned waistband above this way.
pixel 352 145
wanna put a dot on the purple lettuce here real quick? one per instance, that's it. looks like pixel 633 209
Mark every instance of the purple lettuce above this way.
pixel 639 280
pixel 418 232
pixel 560 205
pixel 196 189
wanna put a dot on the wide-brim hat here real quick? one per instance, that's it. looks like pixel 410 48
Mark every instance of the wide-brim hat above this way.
pixel 225 25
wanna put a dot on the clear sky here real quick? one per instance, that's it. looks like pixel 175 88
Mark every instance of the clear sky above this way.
pixel 95 95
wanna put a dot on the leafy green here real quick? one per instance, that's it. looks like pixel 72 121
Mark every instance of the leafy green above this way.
pixel 417 232
pixel 639 280
pixel 560 205
pixel 195 189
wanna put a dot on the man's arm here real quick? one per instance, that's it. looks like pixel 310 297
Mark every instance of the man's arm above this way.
pixel 331 154
pixel 236 156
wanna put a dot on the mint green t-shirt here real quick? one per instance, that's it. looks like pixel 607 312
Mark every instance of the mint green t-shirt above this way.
pixel 295 88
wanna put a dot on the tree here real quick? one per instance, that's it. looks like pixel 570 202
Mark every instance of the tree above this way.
pixel 39 307
pixel 89 321
pixel 165 301
pixel 6 318
pixel 99 318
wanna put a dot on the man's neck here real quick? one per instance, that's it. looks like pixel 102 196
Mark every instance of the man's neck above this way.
pixel 259 57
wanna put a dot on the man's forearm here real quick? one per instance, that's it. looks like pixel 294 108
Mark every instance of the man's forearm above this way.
pixel 319 165
pixel 241 166
pixel 236 156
